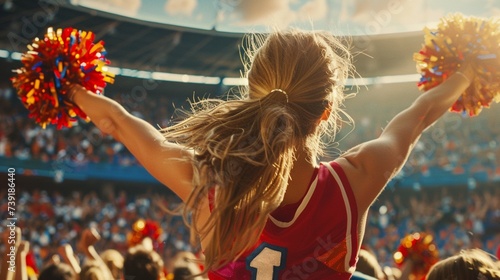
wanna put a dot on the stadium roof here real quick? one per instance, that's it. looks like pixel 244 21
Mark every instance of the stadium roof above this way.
pixel 141 39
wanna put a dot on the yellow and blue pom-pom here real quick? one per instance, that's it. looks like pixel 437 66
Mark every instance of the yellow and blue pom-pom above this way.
pixel 458 39
pixel 51 64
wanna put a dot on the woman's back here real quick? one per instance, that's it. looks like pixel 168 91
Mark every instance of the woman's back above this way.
pixel 315 237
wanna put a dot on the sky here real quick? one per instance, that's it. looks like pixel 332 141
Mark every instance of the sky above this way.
pixel 344 17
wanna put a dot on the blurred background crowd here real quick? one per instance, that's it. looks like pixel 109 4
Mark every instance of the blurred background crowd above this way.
pixel 80 193
pixel 457 216
pixel 453 145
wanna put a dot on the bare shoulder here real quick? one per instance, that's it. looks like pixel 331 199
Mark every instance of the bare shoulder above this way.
pixel 354 175
pixel 366 176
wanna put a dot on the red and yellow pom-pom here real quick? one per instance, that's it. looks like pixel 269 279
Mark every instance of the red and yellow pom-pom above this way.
pixel 458 39
pixel 63 57
pixel 142 229
pixel 421 250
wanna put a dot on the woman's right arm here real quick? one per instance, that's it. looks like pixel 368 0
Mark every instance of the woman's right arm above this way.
pixel 169 163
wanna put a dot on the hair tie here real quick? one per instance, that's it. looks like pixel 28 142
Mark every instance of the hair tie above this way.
pixel 282 91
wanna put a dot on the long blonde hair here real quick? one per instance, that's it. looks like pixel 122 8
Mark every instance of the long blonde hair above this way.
pixel 245 148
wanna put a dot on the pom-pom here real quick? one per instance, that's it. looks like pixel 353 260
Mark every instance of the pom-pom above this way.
pixel 63 57
pixel 421 250
pixel 145 228
pixel 458 39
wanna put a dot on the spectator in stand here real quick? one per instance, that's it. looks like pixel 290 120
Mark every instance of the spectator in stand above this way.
pixel 143 263
pixel 369 265
pixel 13 259
pixel 60 271
pixel 94 267
pixel 114 261
pixel 467 265
pixel 185 265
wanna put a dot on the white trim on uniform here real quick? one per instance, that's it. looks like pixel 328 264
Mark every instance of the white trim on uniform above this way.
pixel 301 207
pixel 347 204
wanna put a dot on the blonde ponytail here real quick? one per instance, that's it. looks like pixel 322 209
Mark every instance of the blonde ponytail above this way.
pixel 245 148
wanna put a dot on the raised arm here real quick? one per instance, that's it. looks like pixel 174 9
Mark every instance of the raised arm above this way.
pixel 89 237
pixel 66 252
pixel 167 162
pixel 369 166
pixel 21 268
pixel 11 243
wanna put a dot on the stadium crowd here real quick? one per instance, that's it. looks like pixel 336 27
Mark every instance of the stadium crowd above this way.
pixel 22 138
pixel 469 218
pixel 457 218
pixel 441 147
pixel 50 218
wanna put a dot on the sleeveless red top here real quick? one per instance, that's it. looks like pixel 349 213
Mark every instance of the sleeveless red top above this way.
pixel 320 241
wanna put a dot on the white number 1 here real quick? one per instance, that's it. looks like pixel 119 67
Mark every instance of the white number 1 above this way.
pixel 266 261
